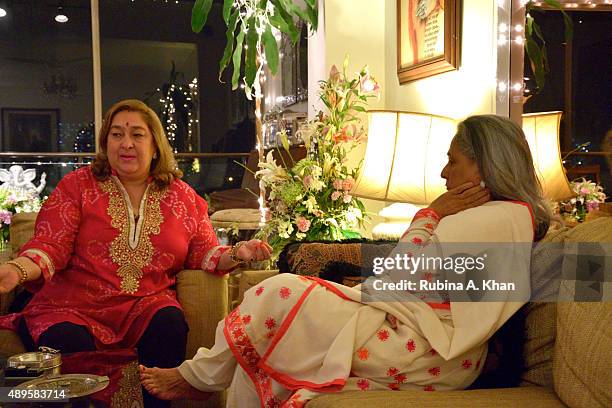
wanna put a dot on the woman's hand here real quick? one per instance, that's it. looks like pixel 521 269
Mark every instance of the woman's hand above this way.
pixel 254 250
pixel 9 278
pixel 460 198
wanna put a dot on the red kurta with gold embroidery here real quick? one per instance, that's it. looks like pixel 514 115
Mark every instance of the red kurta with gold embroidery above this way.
pixel 106 269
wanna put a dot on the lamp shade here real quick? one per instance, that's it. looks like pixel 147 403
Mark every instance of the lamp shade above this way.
pixel 542 132
pixel 404 157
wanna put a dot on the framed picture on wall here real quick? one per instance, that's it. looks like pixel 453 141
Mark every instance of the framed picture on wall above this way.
pixel 428 38
pixel 29 130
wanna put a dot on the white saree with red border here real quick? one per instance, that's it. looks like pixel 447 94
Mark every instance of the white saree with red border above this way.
pixel 294 337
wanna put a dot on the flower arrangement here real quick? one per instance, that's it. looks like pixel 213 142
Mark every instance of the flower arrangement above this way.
pixel 311 200
pixel 588 197
pixel 13 202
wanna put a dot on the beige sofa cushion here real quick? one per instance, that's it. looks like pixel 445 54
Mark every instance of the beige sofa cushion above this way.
pixel 583 352
pixel 240 218
pixel 540 319
pixel 540 333
pixel 22 230
pixel 533 397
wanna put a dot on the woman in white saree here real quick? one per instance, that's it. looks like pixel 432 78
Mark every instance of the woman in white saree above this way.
pixel 294 337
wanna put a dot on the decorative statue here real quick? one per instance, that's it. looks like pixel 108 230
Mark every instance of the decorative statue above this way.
pixel 19 180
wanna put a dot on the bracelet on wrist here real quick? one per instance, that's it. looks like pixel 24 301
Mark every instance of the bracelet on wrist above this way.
pixel 22 271
pixel 234 252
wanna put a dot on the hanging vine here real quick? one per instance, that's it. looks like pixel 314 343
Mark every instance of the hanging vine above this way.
pixel 250 26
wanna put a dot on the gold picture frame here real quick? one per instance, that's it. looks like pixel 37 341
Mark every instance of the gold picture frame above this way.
pixel 428 38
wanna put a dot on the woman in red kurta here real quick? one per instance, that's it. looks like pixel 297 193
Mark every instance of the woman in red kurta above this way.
pixel 108 244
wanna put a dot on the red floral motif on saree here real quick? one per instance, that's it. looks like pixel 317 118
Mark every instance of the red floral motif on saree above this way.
pixel 363 354
pixel 393 386
pixel 383 335
pixel 270 323
pixel 400 378
pixel 466 363
pixel 363 384
pixel 410 346
pixel 392 372
pixel 435 371
pixel 284 293
pixel 259 291
pixel 429 388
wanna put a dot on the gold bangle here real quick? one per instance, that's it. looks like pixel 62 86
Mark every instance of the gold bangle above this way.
pixel 22 270
pixel 234 252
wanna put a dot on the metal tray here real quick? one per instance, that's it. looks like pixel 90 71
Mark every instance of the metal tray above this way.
pixel 75 385
pixel 35 360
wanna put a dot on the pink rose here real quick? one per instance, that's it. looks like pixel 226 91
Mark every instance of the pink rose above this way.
pixel 338 184
pixel 308 181
pixel 5 217
pixel 347 198
pixel 303 224
pixel 348 184
pixel 335 195
pixel 584 191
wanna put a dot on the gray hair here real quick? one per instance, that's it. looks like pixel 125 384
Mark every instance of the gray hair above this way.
pixel 504 160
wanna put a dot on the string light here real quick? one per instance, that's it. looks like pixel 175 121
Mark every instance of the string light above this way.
pixel 169 111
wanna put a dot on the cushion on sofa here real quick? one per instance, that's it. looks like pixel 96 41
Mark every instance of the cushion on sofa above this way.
pixel 582 355
pixel 583 348
pixel 541 315
pixel 533 397
pixel 21 230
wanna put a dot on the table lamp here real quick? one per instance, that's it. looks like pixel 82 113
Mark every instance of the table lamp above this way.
pixel 542 132
pixel 404 157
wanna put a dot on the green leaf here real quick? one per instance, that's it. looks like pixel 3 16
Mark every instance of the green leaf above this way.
pixel 359 108
pixel 229 46
pixel 569 25
pixel 237 59
pixel 535 56
pixel 528 26
pixel 227 10
pixel 270 50
pixel 313 16
pixel 284 142
pixel 538 32
pixel 294 10
pixel 251 52
pixel 284 21
pixel 199 14
pixel 347 234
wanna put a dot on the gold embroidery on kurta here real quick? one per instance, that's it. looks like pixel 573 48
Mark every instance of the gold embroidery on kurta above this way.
pixel 130 393
pixel 131 259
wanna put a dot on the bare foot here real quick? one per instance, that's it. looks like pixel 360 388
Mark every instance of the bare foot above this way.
pixel 169 384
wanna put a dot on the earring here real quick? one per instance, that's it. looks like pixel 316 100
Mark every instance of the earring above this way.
pixel 155 155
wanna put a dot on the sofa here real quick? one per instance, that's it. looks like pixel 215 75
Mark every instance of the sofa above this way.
pixel 567 350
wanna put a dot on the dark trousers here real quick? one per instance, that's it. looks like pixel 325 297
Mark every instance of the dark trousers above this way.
pixel 163 343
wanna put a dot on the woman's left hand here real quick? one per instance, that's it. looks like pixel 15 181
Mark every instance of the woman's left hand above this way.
pixel 254 250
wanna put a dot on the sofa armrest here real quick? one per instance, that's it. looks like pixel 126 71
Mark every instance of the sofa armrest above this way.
pixel 203 297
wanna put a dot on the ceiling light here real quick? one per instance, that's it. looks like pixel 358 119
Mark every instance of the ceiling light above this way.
pixel 61 17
